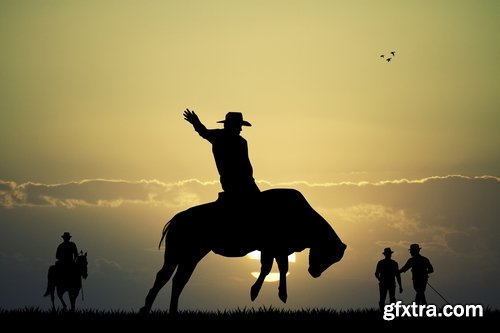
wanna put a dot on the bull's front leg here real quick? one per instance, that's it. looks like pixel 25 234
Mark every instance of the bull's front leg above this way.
pixel 282 262
pixel 266 264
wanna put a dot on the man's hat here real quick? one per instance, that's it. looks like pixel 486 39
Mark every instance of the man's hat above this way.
pixel 387 250
pixel 415 247
pixel 235 118
pixel 66 235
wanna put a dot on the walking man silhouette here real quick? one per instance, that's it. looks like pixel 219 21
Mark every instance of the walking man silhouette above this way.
pixel 230 151
pixel 387 272
pixel 420 268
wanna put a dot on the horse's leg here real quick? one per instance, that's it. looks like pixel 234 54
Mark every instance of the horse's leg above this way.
pixel 51 293
pixel 282 262
pixel 60 293
pixel 181 277
pixel 266 264
pixel 52 299
pixel 162 278
pixel 51 285
pixel 53 302
pixel 72 299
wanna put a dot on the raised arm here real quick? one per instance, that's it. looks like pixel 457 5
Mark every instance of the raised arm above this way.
pixel 193 119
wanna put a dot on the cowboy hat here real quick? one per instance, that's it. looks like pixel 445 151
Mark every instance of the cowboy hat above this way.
pixel 66 235
pixel 235 118
pixel 388 250
pixel 414 247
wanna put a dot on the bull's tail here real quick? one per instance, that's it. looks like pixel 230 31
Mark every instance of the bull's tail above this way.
pixel 165 231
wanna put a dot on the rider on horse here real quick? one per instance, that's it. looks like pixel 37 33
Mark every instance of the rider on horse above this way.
pixel 65 275
pixel 66 255
pixel 231 156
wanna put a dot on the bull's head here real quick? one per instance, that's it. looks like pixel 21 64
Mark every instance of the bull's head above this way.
pixel 324 254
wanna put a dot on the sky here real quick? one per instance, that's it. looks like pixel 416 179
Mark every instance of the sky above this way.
pixel 93 141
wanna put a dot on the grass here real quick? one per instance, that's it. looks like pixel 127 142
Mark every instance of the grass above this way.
pixel 238 318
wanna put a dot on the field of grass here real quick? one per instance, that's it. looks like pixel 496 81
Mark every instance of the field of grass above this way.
pixel 239 318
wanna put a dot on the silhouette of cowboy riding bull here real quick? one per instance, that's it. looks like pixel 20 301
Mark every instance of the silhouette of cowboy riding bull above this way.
pixel 277 222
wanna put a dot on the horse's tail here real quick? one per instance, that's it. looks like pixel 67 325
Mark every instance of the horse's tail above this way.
pixel 47 292
pixel 51 285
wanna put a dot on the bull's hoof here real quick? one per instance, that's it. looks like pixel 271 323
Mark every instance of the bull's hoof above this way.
pixel 254 292
pixel 282 294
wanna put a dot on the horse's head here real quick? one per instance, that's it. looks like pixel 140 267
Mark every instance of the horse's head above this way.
pixel 325 253
pixel 81 264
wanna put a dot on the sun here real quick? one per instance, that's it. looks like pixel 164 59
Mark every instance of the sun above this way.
pixel 273 276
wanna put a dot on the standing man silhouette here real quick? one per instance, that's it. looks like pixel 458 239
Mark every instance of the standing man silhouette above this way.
pixel 420 268
pixel 230 151
pixel 387 272
pixel 66 254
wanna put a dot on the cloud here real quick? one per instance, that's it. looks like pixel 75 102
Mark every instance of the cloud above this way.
pixel 6 192
pixel 101 193
pixel 106 266
pixel 445 211
pixel 114 193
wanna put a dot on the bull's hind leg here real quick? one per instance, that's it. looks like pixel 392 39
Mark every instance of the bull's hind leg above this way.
pixel 266 264
pixel 282 262
pixel 162 278
pixel 181 277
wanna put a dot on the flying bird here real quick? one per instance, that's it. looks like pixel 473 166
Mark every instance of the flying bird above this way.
pixel 389 58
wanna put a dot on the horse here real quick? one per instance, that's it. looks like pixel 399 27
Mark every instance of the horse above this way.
pixel 67 280
pixel 278 223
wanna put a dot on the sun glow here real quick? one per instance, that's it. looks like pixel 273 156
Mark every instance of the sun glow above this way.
pixel 273 276
pixel 255 255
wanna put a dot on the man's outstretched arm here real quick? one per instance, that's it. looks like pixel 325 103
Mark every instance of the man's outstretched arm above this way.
pixel 193 119
pixel 406 267
pixel 398 279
